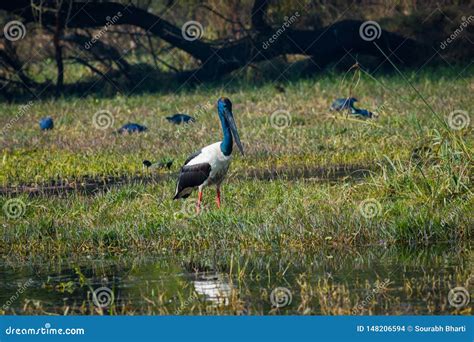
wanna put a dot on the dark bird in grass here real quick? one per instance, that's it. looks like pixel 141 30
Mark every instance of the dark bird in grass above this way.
pixel 280 88
pixel 46 123
pixel 178 119
pixel 361 112
pixel 132 128
pixel 162 164
pixel 422 154
pixel 209 165
pixel 342 104
pixel 348 104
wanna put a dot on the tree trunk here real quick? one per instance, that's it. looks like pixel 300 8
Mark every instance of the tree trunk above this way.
pixel 58 54
pixel 323 45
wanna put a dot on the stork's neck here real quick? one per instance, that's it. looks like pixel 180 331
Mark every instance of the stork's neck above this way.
pixel 227 142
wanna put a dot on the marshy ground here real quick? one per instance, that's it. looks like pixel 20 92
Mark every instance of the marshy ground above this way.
pixel 328 206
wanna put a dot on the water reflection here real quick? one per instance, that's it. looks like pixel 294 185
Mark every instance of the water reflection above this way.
pixel 372 281
pixel 214 288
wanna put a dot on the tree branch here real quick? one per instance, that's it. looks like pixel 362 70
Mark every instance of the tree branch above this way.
pixel 95 14
pixel 323 45
pixel 258 12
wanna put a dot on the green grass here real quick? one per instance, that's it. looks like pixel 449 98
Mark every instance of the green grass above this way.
pixel 425 199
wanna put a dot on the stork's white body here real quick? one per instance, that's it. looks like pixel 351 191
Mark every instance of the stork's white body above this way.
pixel 219 162
pixel 210 161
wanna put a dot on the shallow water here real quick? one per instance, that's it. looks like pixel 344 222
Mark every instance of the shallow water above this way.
pixel 374 281
pixel 91 185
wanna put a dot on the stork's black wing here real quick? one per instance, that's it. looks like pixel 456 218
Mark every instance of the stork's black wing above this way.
pixel 191 176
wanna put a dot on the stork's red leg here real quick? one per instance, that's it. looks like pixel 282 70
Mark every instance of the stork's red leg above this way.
pixel 218 198
pixel 198 206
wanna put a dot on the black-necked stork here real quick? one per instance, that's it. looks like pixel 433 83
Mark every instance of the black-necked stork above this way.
pixel 209 165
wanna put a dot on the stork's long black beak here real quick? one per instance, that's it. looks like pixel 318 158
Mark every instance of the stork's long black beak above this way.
pixel 233 128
